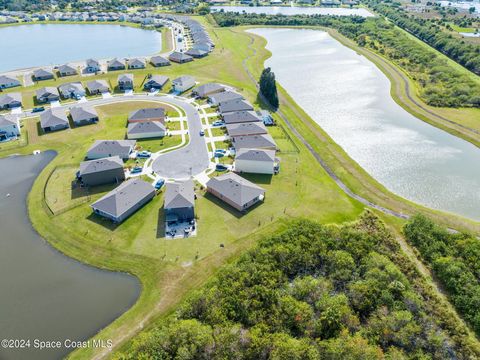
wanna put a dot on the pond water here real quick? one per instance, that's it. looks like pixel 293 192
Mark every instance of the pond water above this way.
pixel 46 295
pixel 294 10
pixel 349 97
pixel 53 44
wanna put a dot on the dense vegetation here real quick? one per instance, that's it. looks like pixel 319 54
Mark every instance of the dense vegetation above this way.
pixel 440 84
pixel 455 260
pixel 313 292
pixel 465 54
pixel 268 87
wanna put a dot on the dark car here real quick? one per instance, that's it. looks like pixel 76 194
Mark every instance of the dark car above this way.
pixel 38 109
pixel 221 167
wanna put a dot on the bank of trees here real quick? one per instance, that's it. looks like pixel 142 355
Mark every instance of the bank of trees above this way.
pixel 312 292
pixel 438 82
pixel 455 260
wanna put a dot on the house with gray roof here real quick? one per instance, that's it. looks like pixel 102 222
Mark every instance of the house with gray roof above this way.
pixel 236 191
pixel 156 82
pixel 179 57
pixel 97 87
pixel 125 82
pixel 216 99
pixel 255 161
pixel 115 64
pixel 107 148
pixel 238 117
pixel 67 70
pixel 145 130
pixel 179 202
pixel 136 63
pixel 158 61
pixel 7 81
pixel 208 89
pixel 42 74
pixel 10 100
pixel 47 94
pixel 183 83
pixel 245 129
pixel 92 66
pixel 9 126
pixel 147 114
pixel 124 200
pixel 234 105
pixel 54 119
pixel 264 141
pixel 101 171
pixel 72 90
pixel 83 115
pixel 196 53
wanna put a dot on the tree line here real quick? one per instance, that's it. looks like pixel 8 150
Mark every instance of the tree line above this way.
pixel 311 292
pixel 439 83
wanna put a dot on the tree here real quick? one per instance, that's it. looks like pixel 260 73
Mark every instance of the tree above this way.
pixel 268 87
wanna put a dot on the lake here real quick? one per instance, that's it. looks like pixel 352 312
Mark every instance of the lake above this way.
pixel 53 44
pixel 294 10
pixel 349 97
pixel 46 295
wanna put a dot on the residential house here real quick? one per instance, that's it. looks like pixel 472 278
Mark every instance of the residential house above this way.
pixel 238 117
pixel 47 94
pixel 54 119
pixel 236 191
pixel 73 90
pixel 97 87
pixel 124 200
pixel 115 64
pixel 83 115
pixel 216 99
pixel 208 89
pixel 156 82
pixel 256 161
pixel 145 130
pixel 9 127
pixel 264 141
pixel 136 63
pixel 179 57
pixel 183 83
pixel 92 66
pixel 107 148
pixel 158 61
pixel 147 114
pixel 125 82
pixel 7 81
pixel 234 105
pixel 67 70
pixel 196 53
pixel 42 74
pixel 179 202
pixel 10 100
pixel 245 129
pixel 101 171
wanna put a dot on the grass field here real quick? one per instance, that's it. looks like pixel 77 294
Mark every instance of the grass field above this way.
pixel 169 269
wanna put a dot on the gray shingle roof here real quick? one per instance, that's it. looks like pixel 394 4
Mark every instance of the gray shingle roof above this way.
pixel 179 194
pixel 38 73
pixel 178 56
pixel 96 85
pixel 116 63
pixel 236 117
pixel 66 68
pixel 10 98
pixel 53 117
pixel 118 201
pixel 136 62
pixel 8 119
pixel 7 79
pixel 147 113
pixel 206 89
pixel 235 105
pixel 92 63
pixel 182 80
pixel 157 80
pixel 235 188
pixel 159 60
pixel 84 112
pixel 224 96
pixel 145 127
pixel 72 87
pixel 254 142
pixel 255 155
pixel 99 165
pixel 125 78
pixel 46 91
pixel 111 146
pixel 250 128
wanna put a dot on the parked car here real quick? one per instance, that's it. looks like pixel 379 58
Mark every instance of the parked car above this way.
pixel 202 133
pixel 221 151
pixel 136 170
pixel 159 184
pixel 218 154
pixel 218 123
pixel 38 109
pixel 144 154
pixel 221 167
